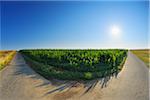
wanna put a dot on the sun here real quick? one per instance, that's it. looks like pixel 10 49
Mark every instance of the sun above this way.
pixel 115 30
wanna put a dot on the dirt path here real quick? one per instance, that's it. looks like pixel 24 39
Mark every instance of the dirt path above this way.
pixel 20 82
pixel 132 82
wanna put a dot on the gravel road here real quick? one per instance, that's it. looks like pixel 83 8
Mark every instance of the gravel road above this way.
pixel 19 82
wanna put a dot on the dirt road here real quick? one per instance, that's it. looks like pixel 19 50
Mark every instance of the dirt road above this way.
pixel 19 82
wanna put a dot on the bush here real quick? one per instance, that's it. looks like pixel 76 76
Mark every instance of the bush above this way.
pixel 88 75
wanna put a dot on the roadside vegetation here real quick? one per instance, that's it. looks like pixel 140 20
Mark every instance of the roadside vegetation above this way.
pixel 6 57
pixel 75 64
pixel 144 55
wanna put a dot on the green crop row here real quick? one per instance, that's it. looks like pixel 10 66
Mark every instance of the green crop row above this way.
pixel 76 64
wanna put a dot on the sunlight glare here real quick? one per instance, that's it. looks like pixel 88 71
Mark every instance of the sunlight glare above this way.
pixel 115 31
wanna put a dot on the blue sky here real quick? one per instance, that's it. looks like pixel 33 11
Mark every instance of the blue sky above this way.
pixel 27 25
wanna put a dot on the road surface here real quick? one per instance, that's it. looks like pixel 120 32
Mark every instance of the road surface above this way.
pixel 19 82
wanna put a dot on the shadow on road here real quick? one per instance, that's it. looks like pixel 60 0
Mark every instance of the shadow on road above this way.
pixel 61 85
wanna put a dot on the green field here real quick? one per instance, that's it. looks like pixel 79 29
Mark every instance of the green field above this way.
pixel 144 55
pixel 6 57
pixel 75 64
